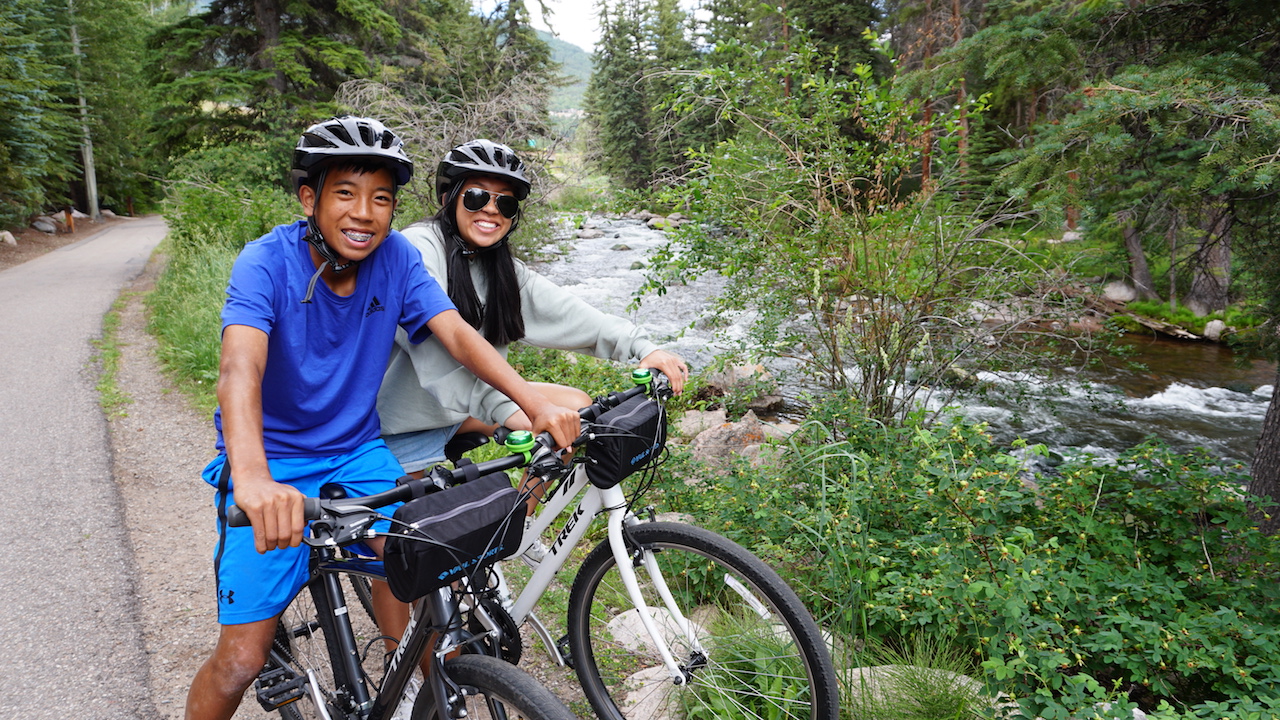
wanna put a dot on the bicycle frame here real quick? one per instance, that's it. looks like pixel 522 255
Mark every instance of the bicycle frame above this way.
pixel 437 611
pixel 595 501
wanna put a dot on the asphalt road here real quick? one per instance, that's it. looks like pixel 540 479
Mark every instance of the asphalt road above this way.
pixel 69 624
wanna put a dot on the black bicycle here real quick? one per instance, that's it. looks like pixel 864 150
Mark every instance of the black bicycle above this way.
pixel 326 661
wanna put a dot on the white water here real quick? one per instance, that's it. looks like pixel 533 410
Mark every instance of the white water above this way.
pixel 1181 399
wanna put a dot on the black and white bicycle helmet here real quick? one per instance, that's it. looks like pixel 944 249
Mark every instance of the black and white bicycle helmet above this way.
pixel 349 138
pixel 482 156
pixel 337 139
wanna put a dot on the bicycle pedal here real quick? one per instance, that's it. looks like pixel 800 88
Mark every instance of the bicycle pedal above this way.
pixel 279 687
pixel 565 652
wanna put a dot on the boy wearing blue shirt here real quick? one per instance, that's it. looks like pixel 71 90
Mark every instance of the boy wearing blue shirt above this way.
pixel 310 318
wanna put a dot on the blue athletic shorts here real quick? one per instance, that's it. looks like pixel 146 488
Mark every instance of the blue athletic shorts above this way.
pixel 420 449
pixel 254 586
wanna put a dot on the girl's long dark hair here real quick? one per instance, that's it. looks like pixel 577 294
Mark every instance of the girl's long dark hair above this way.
pixel 499 318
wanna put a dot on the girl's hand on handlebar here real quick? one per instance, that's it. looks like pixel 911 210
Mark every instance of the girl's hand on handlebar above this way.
pixel 671 365
pixel 565 425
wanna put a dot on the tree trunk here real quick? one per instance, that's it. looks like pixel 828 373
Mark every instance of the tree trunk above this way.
pixel 1172 234
pixel 1211 265
pixel 267 15
pixel 963 147
pixel 1265 480
pixel 1139 271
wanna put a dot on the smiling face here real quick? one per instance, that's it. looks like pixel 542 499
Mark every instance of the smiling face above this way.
pixel 484 227
pixel 352 211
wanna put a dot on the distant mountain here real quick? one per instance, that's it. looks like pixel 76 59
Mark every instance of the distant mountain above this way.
pixel 574 63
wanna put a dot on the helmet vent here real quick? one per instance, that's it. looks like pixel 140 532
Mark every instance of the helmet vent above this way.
pixel 341 132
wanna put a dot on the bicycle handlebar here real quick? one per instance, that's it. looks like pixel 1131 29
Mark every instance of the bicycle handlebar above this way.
pixel 408 488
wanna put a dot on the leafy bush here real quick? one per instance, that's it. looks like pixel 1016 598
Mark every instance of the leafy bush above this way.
pixel 1135 582
pixel 223 199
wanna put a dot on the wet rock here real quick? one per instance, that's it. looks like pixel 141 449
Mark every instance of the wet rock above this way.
pixel 590 234
pixel 1240 386
pixel 621 247
pixel 637 265
pixel 660 223
pixel 767 403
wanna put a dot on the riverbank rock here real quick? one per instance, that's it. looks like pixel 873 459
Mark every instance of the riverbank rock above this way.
pixel 1120 292
pixel 872 689
pixel 694 422
pixel 747 438
pixel 590 234
pixel 1214 329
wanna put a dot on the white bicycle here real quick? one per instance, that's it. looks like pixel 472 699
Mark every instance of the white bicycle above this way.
pixel 665 620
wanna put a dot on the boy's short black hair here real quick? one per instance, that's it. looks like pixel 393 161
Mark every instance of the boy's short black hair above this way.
pixel 360 166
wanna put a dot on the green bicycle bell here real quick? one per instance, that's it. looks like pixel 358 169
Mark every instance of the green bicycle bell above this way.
pixel 519 441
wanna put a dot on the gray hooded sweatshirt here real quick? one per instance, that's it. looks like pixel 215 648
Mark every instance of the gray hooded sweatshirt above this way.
pixel 425 388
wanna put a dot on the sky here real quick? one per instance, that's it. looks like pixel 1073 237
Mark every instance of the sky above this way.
pixel 574 21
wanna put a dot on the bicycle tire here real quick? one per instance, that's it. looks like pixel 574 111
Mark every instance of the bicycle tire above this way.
pixel 764 654
pixel 363 589
pixel 489 681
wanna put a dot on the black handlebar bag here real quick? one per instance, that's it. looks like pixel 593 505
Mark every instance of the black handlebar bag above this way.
pixel 628 439
pixel 451 534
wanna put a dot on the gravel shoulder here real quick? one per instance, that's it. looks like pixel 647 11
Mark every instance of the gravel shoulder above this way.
pixel 159 445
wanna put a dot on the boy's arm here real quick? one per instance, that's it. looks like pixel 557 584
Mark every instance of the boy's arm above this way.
pixel 477 355
pixel 275 510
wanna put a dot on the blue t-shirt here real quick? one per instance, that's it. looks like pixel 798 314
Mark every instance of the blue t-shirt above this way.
pixel 326 359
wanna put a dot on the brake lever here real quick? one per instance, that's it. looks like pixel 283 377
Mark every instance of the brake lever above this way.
pixel 341 526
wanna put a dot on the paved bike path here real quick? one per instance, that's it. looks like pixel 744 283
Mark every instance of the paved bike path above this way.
pixel 68 616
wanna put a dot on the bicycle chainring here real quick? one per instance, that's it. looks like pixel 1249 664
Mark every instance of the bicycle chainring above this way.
pixel 511 647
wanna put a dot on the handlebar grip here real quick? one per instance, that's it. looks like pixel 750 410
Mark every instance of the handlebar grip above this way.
pixel 310 510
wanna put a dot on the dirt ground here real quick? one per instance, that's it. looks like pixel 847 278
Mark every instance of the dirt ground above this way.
pixel 33 243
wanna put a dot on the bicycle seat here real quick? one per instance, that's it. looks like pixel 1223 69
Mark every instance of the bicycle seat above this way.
pixel 332 491
pixel 463 443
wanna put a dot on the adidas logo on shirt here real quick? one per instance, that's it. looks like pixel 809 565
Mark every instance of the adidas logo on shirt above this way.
pixel 374 306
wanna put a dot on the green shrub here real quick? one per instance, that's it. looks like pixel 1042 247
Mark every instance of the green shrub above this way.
pixel 186 309
pixel 1139 581
pixel 1183 317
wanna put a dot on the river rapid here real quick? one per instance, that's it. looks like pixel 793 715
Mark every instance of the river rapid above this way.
pixel 1187 393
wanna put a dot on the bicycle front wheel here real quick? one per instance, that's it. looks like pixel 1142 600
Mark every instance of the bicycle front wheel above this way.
pixel 301 678
pixel 495 690
pixel 749 648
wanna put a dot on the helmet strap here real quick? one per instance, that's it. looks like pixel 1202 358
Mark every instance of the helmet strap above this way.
pixel 329 256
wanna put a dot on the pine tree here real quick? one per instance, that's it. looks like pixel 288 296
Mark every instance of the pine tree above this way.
pixel 619 105
pixel 253 66
pixel 38 128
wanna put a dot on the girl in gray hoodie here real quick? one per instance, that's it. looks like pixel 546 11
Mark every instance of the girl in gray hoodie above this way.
pixel 426 395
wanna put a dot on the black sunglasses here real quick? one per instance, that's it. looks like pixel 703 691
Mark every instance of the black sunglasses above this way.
pixel 474 199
